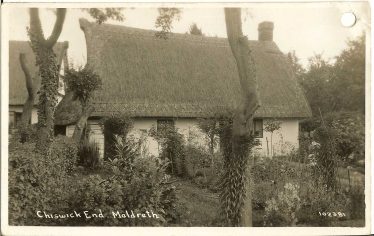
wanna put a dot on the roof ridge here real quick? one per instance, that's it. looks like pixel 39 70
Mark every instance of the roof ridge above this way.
pixel 111 28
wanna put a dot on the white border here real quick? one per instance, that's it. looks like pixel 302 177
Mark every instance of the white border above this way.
pixel 33 230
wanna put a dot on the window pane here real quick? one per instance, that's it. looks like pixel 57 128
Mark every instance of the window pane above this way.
pixel 258 128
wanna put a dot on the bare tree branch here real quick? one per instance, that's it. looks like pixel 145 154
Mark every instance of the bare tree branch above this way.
pixel 62 54
pixel 27 107
pixel 26 71
pixel 35 29
pixel 60 19
pixel 242 54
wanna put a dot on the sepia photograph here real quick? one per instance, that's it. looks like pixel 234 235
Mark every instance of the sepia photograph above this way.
pixel 186 115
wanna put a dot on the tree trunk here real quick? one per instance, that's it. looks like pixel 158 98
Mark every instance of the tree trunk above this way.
pixel 31 90
pixel 239 138
pixel 79 127
pixel 49 74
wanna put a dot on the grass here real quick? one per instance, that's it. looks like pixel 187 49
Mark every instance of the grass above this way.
pixel 198 207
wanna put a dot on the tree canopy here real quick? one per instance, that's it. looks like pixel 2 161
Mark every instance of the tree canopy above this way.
pixel 334 86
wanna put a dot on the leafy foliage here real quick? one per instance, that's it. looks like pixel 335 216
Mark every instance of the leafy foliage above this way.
pixel 326 84
pixel 48 69
pixel 26 133
pixel 326 157
pixel 281 210
pixel 347 130
pixel 172 148
pixel 54 184
pixel 234 181
pixel 211 130
pixel 116 124
pixel 103 14
pixel 82 82
pixel 88 154
pixel 165 20
pixel 272 125
pixel 270 176
pixel 194 30
pixel 38 182
pixel 126 150
pixel 46 61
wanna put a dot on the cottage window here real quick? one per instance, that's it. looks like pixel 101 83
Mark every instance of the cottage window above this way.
pixel 15 119
pixel 60 130
pixel 258 128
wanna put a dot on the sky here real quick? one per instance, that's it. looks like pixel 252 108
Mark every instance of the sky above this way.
pixel 306 28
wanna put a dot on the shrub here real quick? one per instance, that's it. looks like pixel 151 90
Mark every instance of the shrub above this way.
pixel 27 133
pixel 38 182
pixel 51 184
pixel 89 154
pixel 82 82
pixel 196 159
pixel 281 210
pixel 319 198
pixel 326 157
pixel 65 151
pixel 126 150
pixel 147 189
pixel 172 148
pixel 270 176
pixel 348 131
pixel 116 124
pixel 96 194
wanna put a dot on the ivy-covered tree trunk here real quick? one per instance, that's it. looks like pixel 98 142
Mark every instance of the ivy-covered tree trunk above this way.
pixel 49 71
pixel 236 136
pixel 31 91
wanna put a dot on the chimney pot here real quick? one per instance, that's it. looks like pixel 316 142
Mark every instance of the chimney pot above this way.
pixel 265 31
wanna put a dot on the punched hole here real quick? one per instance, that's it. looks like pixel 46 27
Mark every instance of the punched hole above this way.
pixel 348 19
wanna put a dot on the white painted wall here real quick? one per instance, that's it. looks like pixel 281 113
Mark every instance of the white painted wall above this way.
pixel 70 130
pixel 284 140
pixel 190 129
pixel 141 130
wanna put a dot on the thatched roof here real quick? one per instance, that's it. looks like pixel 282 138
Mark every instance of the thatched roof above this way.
pixel 17 84
pixel 68 110
pixel 183 76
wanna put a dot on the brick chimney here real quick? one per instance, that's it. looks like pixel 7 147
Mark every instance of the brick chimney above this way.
pixel 265 31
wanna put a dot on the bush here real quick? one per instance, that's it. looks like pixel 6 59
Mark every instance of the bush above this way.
pixel 116 124
pixel 96 194
pixel 281 210
pixel 38 182
pixel 27 133
pixel 64 150
pixel 348 131
pixel 196 159
pixel 146 189
pixel 319 199
pixel 172 149
pixel 269 177
pixel 126 150
pixel 203 167
pixel 89 154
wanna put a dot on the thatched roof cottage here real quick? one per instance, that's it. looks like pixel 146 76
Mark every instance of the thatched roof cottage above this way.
pixel 183 78
pixel 17 83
